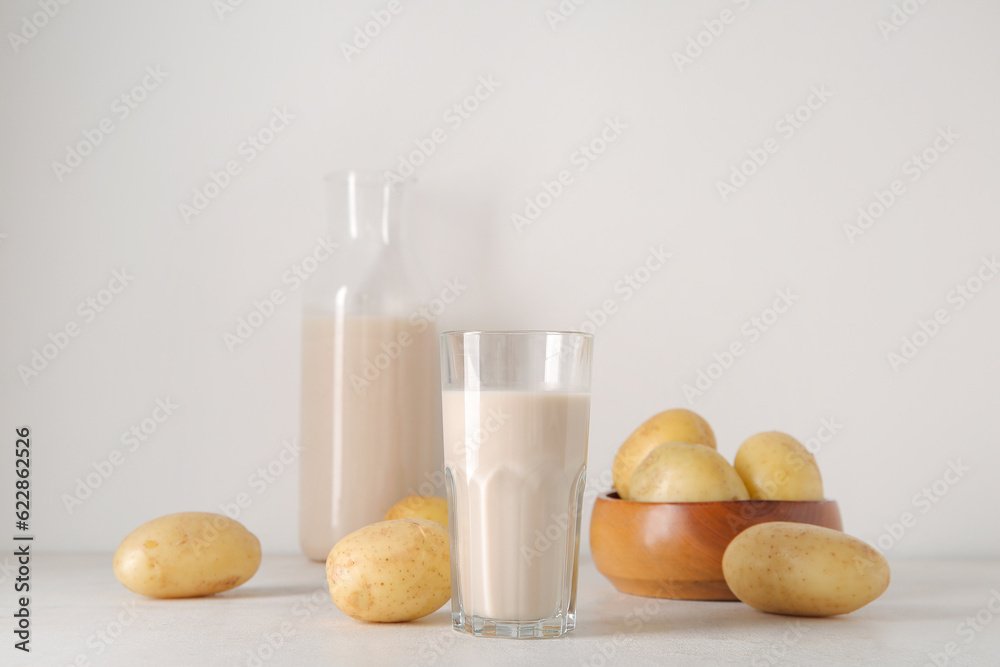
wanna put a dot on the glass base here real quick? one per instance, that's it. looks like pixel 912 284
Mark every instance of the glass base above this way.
pixel 491 627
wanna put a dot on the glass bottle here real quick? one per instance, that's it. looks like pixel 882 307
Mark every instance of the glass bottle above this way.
pixel 371 415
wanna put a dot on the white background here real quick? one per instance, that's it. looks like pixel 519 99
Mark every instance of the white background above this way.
pixel 656 185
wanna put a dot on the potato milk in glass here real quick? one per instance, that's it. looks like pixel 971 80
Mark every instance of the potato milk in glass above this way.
pixel 516 409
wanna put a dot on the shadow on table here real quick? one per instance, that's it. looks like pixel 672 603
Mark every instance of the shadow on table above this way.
pixel 439 619
pixel 272 591
pixel 625 615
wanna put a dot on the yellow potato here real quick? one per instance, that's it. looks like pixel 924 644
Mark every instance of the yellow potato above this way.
pixel 680 472
pixel 677 425
pixel 803 570
pixel 420 507
pixel 391 571
pixel 775 466
pixel 187 555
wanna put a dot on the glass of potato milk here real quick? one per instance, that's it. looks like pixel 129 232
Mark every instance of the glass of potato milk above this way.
pixel 516 415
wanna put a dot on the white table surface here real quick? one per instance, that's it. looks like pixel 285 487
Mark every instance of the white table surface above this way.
pixel 82 616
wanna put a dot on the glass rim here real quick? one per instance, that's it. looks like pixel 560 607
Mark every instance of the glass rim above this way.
pixel 514 332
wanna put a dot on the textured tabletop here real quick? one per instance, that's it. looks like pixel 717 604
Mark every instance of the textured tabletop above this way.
pixel 935 612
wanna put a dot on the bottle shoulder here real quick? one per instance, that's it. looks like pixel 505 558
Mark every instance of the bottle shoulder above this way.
pixel 384 288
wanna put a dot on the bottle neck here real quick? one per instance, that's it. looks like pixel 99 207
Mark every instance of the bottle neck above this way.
pixel 365 209
pixel 374 273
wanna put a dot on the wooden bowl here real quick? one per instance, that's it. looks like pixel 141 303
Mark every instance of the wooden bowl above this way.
pixel 674 550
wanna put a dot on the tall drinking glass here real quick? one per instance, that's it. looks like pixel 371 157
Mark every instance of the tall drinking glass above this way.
pixel 516 407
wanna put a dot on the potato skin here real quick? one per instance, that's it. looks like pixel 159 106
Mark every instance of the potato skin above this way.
pixel 676 425
pixel 391 571
pixel 680 472
pixel 420 507
pixel 775 466
pixel 803 570
pixel 184 555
